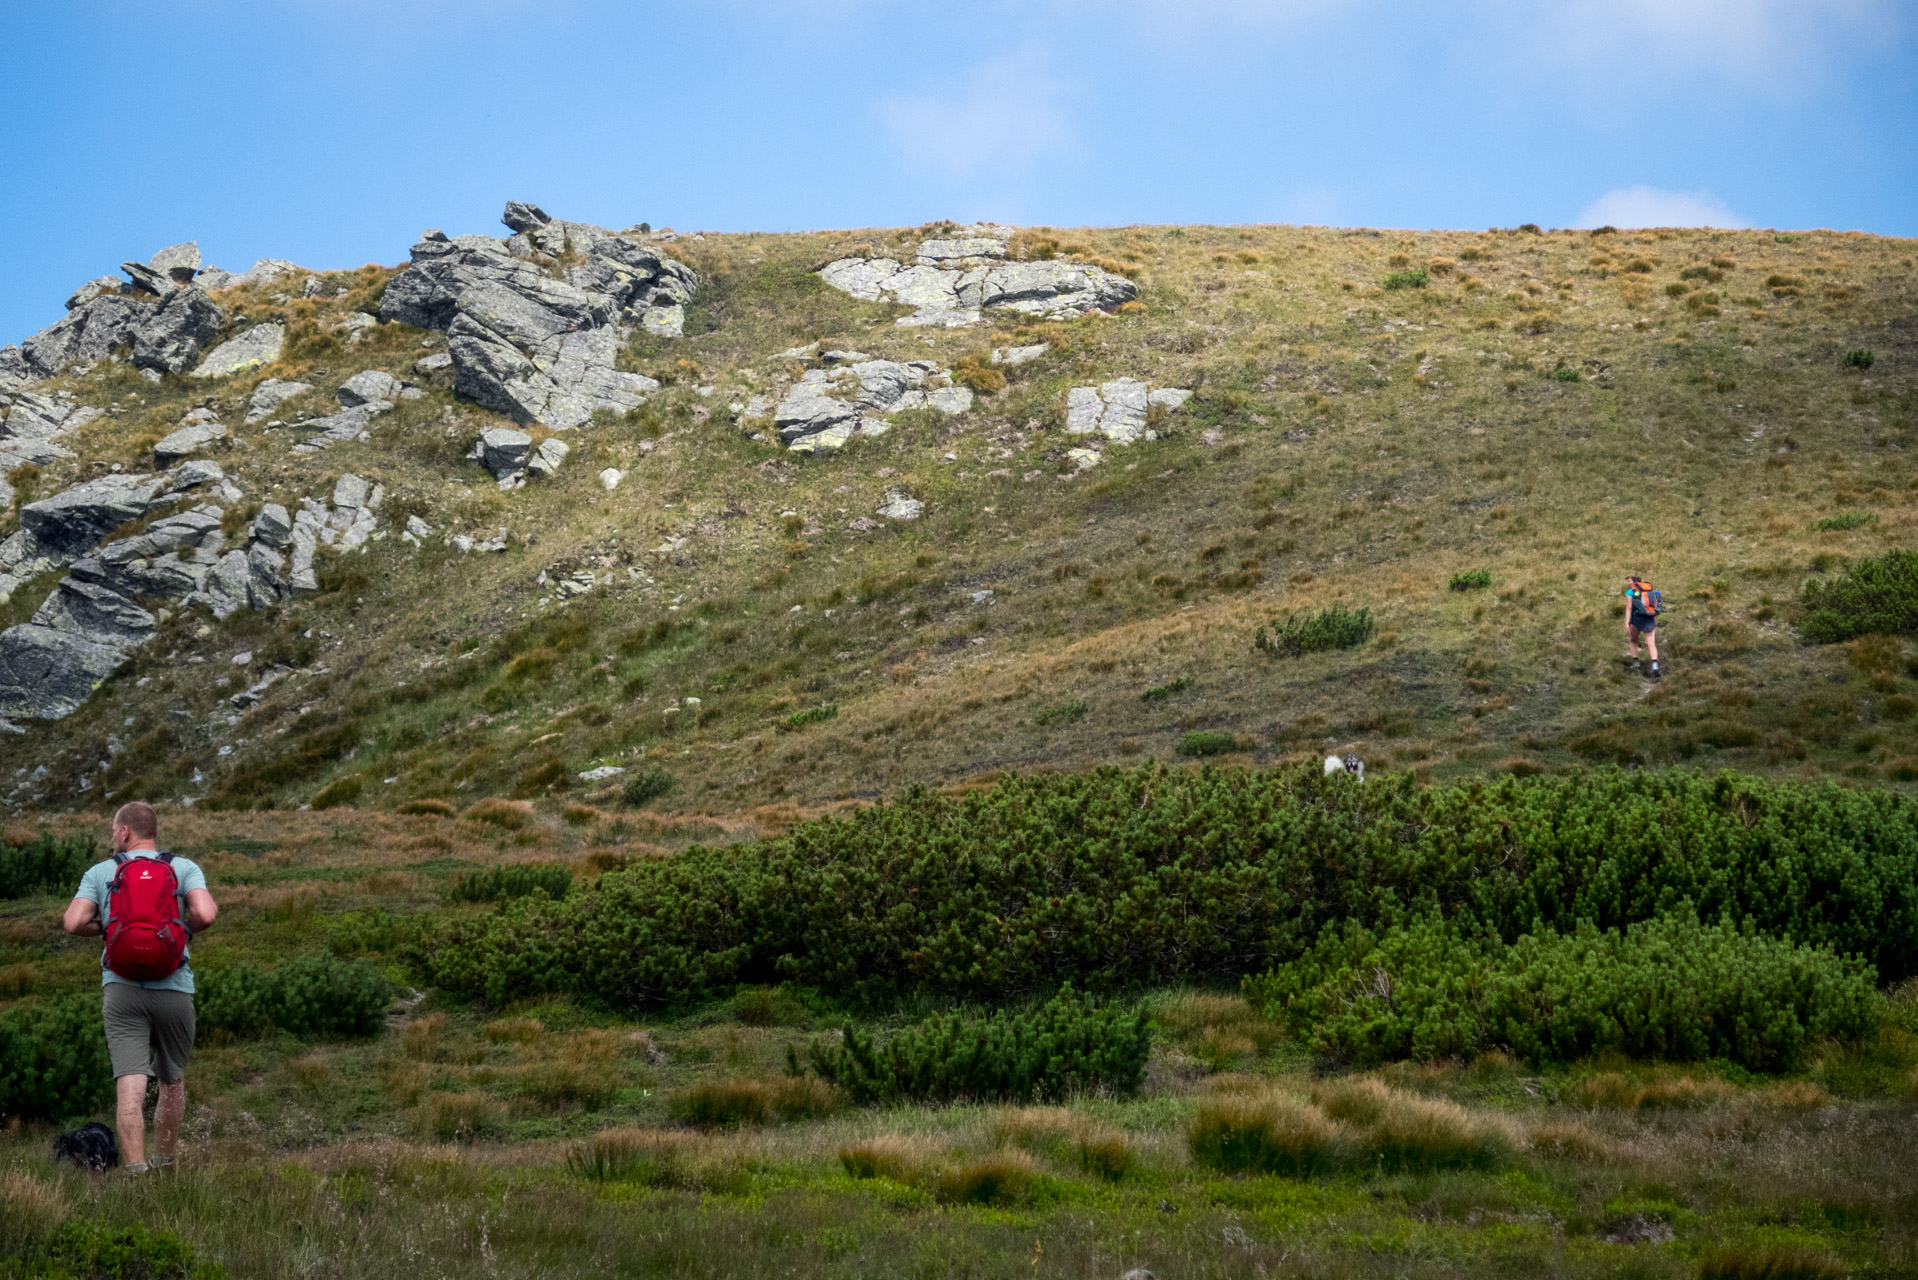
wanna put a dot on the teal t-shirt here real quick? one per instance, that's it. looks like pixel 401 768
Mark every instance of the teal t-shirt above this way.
pixel 94 885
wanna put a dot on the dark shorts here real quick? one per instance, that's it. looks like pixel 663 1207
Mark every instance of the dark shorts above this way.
pixel 149 1032
pixel 1644 622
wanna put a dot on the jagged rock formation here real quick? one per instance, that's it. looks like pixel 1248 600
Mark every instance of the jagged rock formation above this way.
pixel 1119 410
pixel 362 397
pixel 197 430
pixel 270 395
pixel 853 394
pixel 529 345
pixel 511 457
pixel 953 279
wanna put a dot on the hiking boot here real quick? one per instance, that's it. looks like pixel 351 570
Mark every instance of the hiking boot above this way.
pixel 1656 674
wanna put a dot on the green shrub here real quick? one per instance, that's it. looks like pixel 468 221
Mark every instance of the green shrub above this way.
pixel 1170 689
pixel 1201 742
pixel 1471 580
pixel 647 786
pixel 1860 358
pixel 1416 278
pixel 310 996
pixel 812 715
pixel 89 1247
pixel 513 880
pixel 1879 595
pixel 45 864
pixel 1567 373
pixel 1063 712
pixel 53 1060
pixel 1112 879
pixel 1671 989
pixel 1333 628
pixel 1846 520
pixel 1068 1045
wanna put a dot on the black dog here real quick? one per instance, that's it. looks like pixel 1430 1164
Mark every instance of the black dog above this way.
pixel 91 1147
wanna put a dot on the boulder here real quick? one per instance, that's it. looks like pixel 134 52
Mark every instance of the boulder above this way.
pixel 213 279
pixel 435 362
pixel 828 406
pixel 94 330
pixel 954 280
pixel 1018 355
pixel 967 244
pixel 186 441
pixel 367 386
pixel 38 417
pixel 1119 410
pixel 270 395
pixel 178 262
pixel 266 576
pixel 347 424
pixel 259 345
pixel 228 586
pixel 191 475
pixel 306 540
pixel 901 506
pixel 47 673
pixel 171 340
pixel 521 216
pixel 147 279
pixel 546 459
pixel 504 451
pixel 273 527
pixel 74 521
pixel 15 372
pixel 263 270
pixel 610 477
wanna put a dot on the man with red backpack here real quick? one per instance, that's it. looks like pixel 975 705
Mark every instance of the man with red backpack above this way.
pixel 147 904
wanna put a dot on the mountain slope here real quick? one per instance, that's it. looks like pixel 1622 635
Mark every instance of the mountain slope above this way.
pixel 1373 412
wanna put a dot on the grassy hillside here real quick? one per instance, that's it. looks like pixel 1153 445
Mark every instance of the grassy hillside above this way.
pixel 1376 412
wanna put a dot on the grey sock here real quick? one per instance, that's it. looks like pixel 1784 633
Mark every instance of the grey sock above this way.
pixel 163 1162
pixel 138 1166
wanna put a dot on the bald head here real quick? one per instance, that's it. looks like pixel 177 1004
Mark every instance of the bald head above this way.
pixel 138 818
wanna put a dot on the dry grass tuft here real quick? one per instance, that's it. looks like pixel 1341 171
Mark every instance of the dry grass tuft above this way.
pixel 1421 1134
pixel 309 1071
pixel 722 1103
pixel 458 1116
pixel 1067 1137
pixel 1218 1029
pixel 424 1039
pixel 510 815
pixel 656 1158
pixel 1574 1141
pixel 426 808
pixel 893 1156
pixel 1263 1133
pixel 1613 1091
pixel 29 1209
pixel 514 1030
pixel 1796 1095
pixel 1359 1100
pixel 1778 1262
pixel 999 1178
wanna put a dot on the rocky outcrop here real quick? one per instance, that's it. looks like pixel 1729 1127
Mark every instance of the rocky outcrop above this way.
pixel 270 395
pixel 954 279
pixel 259 345
pixel 853 394
pixel 347 525
pixel 363 397
pixel 525 343
pixel 170 341
pixel 56 531
pixel 196 431
pixel 1121 410
pixel 162 315
pixel 511 456
pixel 52 664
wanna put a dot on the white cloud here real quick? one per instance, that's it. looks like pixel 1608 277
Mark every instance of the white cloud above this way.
pixel 1764 45
pixel 1634 207
pixel 1000 116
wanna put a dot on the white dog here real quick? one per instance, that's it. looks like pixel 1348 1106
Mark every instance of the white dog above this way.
pixel 1345 764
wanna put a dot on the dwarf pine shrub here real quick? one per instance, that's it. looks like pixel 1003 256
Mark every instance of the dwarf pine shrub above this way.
pixel 1471 580
pixel 45 864
pixel 53 1060
pixel 646 786
pixel 1672 989
pixel 1068 1045
pixel 1875 596
pixel 1416 278
pixel 310 996
pixel 1112 879
pixel 513 880
pixel 1333 628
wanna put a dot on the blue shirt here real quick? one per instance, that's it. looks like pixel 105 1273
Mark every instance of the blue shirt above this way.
pixel 94 885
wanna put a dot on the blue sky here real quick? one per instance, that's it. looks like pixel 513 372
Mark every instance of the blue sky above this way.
pixel 331 132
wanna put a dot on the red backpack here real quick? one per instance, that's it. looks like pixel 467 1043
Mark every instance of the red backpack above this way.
pixel 146 938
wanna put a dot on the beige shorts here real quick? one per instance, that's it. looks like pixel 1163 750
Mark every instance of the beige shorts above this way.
pixel 149 1032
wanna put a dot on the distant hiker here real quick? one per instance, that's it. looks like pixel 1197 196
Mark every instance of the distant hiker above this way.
pixel 147 904
pixel 1641 620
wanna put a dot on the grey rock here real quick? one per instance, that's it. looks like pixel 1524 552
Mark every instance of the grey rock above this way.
pixel 1018 355
pixel 94 288
pixel 228 586
pixel 950 400
pixel 966 244
pixel 306 541
pixel 264 270
pixel 215 278
pixel 546 459
pixel 191 475
pixel 15 372
pixel 259 345
pixel 952 290
pixel 94 330
pixel 171 340
pixel 270 395
pixel 148 280
pixel 901 506
pixel 521 216
pixel 90 609
pixel 530 346
pixel 1169 398
pixel 38 417
pixel 827 407
pixel 1118 410
pixel 435 362
pixel 266 580
pixel 351 492
pixel 273 526
pixel 46 673
pixel 73 522
pixel 504 451
pixel 367 386
pixel 347 424
pixel 355 324
pixel 180 262
pixel 186 442
pixel 1638 1228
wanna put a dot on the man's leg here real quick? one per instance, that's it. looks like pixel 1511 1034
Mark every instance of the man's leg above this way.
pixel 131 1117
pixel 1651 645
pixel 166 1119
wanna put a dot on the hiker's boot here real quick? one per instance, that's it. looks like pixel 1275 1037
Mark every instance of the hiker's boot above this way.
pixel 1656 673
